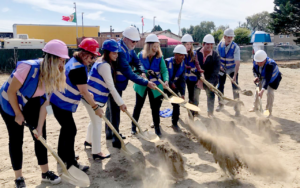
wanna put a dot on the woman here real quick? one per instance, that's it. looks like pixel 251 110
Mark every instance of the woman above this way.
pixel 152 60
pixel 23 98
pixel 101 83
pixel 65 103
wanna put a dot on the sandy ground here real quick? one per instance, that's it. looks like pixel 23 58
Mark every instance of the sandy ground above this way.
pixel 279 145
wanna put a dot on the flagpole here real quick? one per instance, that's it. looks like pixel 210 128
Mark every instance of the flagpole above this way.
pixel 142 26
pixel 179 19
pixel 76 21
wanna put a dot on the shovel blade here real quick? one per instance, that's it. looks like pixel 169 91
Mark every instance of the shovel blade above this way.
pixel 175 100
pixel 267 113
pixel 130 149
pixel 149 136
pixel 76 177
pixel 247 92
pixel 191 107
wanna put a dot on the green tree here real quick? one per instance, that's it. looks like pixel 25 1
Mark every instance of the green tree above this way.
pixel 218 35
pixel 258 22
pixel 286 18
pixel 199 31
pixel 169 30
pixel 156 28
pixel 183 31
pixel 190 30
pixel 242 36
pixel 222 27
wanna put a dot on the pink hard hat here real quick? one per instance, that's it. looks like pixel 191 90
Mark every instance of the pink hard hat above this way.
pixel 58 48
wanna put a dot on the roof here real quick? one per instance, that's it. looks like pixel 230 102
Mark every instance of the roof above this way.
pixel 160 33
pixel 170 40
pixel 54 25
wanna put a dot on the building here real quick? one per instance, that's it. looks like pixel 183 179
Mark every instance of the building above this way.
pixel 111 34
pixel 283 39
pixel 66 33
pixel 6 35
pixel 165 33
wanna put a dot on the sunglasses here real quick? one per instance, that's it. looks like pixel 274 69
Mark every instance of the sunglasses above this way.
pixel 133 42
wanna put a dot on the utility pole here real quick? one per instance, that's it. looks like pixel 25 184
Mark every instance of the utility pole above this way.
pixel 82 25
pixel 142 25
pixel 76 21
pixel 154 22
pixel 111 30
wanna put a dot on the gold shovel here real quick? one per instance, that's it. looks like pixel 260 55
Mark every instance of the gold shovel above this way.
pixel 266 113
pixel 146 135
pixel 72 175
pixel 244 92
pixel 173 99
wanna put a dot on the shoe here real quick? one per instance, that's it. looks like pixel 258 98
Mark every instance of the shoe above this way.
pixel 116 144
pixel 76 157
pixel 152 125
pixel 176 128
pixel 51 177
pixel 20 183
pixel 252 109
pixel 237 114
pixel 96 156
pixel 133 131
pixel 81 167
pixel 157 131
pixel 219 108
pixel 87 144
pixel 123 137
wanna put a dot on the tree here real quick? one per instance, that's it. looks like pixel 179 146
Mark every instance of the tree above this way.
pixel 242 36
pixel 218 35
pixel 286 18
pixel 169 30
pixel 222 27
pixel 156 28
pixel 183 31
pixel 190 30
pixel 258 22
pixel 199 31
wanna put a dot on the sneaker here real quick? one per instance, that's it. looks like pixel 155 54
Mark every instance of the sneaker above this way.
pixel 219 108
pixel 20 183
pixel 157 131
pixel 81 167
pixel 51 177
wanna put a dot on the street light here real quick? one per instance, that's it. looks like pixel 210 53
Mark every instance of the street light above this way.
pixel 154 21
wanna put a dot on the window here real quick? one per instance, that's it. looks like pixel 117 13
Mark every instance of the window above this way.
pixel 281 36
pixel 117 35
pixel 287 43
pixel 280 43
pixel 287 36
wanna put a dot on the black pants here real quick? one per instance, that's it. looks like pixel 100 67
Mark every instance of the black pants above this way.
pixel 176 108
pixel 222 80
pixel 31 113
pixel 67 135
pixel 112 113
pixel 155 104
pixel 190 86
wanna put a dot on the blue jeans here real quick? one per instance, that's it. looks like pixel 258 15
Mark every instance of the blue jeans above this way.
pixel 210 98
pixel 112 113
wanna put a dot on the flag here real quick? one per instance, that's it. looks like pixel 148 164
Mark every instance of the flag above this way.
pixel 71 18
pixel 143 21
pixel 182 2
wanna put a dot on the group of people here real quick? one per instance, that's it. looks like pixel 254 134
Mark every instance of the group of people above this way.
pixel 49 81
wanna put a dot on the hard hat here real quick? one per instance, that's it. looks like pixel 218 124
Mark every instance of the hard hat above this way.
pixel 187 38
pixel 229 33
pixel 110 45
pixel 152 38
pixel 132 33
pixel 209 39
pixel 260 56
pixel 90 45
pixel 180 49
pixel 58 48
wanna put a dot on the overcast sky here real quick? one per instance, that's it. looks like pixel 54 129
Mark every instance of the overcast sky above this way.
pixel 122 13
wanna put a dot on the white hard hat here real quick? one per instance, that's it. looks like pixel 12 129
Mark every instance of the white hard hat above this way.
pixel 209 39
pixel 229 33
pixel 132 33
pixel 180 49
pixel 152 38
pixel 187 38
pixel 260 56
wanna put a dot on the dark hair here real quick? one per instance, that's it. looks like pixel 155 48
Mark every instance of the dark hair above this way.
pixel 112 63
pixel 80 54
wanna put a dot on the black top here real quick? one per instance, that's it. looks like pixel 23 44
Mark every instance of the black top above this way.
pixel 78 76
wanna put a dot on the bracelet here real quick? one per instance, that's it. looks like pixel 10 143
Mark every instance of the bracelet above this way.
pixel 98 106
pixel 94 106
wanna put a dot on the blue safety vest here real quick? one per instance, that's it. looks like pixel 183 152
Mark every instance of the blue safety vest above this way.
pixel 27 90
pixel 227 60
pixel 70 98
pixel 188 75
pixel 97 85
pixel 155 67
pixel 170 62
pixel 263 72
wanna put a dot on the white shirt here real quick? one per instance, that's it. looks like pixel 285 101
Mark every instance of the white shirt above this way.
pixel 105 72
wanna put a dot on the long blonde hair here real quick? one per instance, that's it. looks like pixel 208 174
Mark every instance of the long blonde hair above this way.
pixel 147 50
pixel 190 52
pixel 51 75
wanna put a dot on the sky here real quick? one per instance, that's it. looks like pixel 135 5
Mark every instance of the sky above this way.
pixel 122 13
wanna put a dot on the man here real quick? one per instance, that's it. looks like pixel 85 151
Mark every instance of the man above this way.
pixel 176 68
pixel 126 58
pixel 266 73
pixel 209 62
pixel 229 53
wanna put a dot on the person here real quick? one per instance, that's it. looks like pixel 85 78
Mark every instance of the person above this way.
pixel 126 58
pixel 229 53
pixel 267 76
pixel 23 98
pixel 176 68
pixel 102 77
pixel 152 60
pixel 64 104
pixel 209 62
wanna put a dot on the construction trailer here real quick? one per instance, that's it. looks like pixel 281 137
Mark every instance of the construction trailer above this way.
pixel 66 33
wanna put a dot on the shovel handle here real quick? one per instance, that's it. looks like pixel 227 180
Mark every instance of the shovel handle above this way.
pixel 233 81
pixel 43 141
pixel 133 120
pixel 161 92
pixel 212 88
pixel 168 88
pixel 114 131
